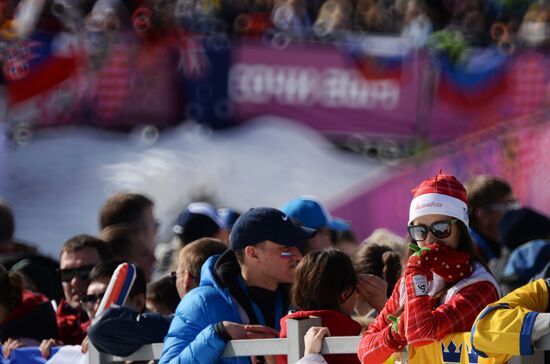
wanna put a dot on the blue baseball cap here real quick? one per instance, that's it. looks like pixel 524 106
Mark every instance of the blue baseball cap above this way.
pixel 265 223
pixel 310 212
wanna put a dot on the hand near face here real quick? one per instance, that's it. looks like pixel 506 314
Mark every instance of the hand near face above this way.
pixel 451 264
pixel 372 289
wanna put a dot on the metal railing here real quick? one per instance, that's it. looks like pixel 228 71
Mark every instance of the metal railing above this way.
pixel 293 346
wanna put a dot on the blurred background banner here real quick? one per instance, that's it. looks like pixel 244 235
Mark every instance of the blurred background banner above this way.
pixel 486 90
pixel 516 151
pixel 326 88
pixel 366 86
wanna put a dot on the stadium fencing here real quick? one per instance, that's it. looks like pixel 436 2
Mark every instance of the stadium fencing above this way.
pixel 293 346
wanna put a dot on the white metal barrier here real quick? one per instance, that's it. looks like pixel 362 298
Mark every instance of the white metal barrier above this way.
pixel 293 346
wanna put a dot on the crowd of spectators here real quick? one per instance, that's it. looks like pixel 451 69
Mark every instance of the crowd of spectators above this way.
pixel 470 22
pixel 228 275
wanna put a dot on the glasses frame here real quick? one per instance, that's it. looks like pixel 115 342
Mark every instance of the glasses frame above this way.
pixel 431 229
pixel 83 273
pixel 85 301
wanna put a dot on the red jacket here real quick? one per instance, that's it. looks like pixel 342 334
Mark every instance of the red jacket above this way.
pixel 71 324
pixel 338 325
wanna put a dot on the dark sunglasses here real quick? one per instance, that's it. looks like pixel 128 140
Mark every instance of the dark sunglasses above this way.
pixel 91 299
pixel 83 273
pixel 439 229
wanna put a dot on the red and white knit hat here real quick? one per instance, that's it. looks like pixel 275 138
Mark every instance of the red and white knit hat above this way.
pixel 442 195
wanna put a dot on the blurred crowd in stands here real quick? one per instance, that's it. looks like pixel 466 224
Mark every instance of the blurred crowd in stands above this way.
pixel 471 22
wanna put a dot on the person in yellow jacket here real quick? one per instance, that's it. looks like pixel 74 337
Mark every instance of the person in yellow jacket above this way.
pixel 512 324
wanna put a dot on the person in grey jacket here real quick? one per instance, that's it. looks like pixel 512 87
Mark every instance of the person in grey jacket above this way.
pixel 243 293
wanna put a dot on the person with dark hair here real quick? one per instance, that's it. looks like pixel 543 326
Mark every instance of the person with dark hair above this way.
pixel 121 330
pixel 489 198
pixel 25 317
pixel 378 268
pixel 325 287
pixel 78 256
pixel 128 208
pixel 190 261
pixel 162 296
pixel 248 284
pixel 99 278
pixel 128 243
pixel 444 285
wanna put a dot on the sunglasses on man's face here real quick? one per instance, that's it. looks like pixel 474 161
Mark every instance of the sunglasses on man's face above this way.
pixel 89 300
pixel 83 273
pixel 439 229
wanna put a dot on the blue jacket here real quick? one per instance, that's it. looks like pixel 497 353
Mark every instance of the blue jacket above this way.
pixel 192 337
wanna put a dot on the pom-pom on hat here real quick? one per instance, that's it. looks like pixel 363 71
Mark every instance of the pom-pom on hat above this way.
pixel 442 195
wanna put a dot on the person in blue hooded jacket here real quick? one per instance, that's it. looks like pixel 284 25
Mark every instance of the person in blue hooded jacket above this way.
pixel 243 293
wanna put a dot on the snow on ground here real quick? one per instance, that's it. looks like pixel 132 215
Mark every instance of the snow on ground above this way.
pixel 58 182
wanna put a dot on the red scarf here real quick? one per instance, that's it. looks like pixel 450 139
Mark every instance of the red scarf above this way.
pixel 71 324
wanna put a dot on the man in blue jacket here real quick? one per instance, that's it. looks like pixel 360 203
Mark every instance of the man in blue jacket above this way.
pixel 248 284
